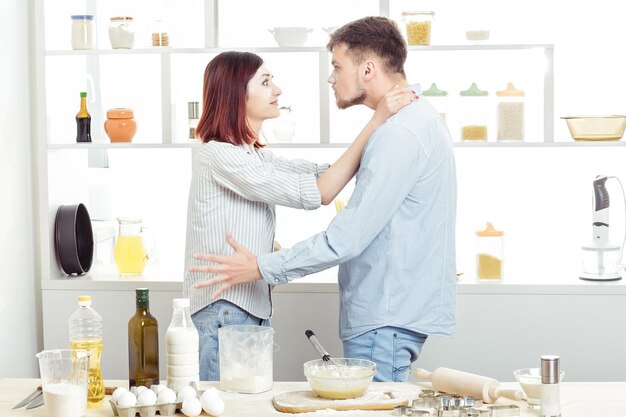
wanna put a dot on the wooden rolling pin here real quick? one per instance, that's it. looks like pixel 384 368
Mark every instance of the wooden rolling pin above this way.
pixel 452 381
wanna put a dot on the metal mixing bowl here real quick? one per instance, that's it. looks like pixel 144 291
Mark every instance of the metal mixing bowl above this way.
pixel 596 127
pixel 349 379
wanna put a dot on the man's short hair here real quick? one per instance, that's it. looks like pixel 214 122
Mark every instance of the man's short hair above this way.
pixel 373 35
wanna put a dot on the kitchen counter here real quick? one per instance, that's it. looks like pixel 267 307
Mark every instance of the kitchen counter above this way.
pixel 583 399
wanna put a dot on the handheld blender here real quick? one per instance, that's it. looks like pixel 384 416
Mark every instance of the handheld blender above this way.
pixel 601 258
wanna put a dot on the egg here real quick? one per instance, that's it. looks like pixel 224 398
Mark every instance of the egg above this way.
pixel 157 388
pixel 209 393
pixel 140 389
pixel 191 407
pixel 127 399
pixel 167 396
pixel 212 404
pixel 185 392
pixel 146 397
pixel 117 394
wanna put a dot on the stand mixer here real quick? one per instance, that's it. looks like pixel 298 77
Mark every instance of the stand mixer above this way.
pixel 601 258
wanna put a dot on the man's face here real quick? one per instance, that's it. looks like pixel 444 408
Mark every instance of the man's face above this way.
pixel 345 79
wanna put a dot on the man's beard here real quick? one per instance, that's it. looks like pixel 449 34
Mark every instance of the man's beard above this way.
pixel 344 104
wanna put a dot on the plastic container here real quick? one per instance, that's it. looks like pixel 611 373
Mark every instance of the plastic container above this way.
pixel 122 32
pixel 510 111
pixel 474 113
pixel 489 253
pixel 438 98
pixel 82 31
pixel 85 326
pixel 246 358
pixel 182 347
pixel 418 27
pixel 120 125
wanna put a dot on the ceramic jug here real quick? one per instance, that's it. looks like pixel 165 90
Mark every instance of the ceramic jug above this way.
pixel 130 253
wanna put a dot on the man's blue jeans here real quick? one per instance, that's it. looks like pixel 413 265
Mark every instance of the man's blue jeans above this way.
pixel 391 348
pixel 208 321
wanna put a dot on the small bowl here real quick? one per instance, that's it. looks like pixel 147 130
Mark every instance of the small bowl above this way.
pixel 330 30
pixel 290 36
pixel 596 127
pixel 530 381
pixel 477 35
pixel 350 379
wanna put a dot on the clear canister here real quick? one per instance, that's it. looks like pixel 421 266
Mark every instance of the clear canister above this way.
pixel 418 27
pixel 474 113
pixel 82 31
pixel 510 110
pixel 159 34
pixel 122 32
pixel 489 253
pixel 438 98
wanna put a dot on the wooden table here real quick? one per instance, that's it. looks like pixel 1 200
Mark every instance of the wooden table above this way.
pixel 578 399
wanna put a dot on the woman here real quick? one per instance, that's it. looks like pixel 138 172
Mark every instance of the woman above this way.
pixel 236 184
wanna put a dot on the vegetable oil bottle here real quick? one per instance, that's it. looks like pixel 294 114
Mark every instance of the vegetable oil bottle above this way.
pixel 86 334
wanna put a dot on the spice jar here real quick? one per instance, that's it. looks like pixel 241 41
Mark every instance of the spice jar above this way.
pixel 159 35
pixel 82 31
pixel 489 253
pixel 120 125
pixel 474 113
pixel 510 111
pixel 122 32
pixel 438 98
pixel 418 27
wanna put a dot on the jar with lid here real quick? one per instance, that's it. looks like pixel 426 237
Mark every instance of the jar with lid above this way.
pixel 122 32
pixel 82 31
pixel 120 125
pixel 438 98
pixel 489 253
pixel 474 113
pixel 510 112
pixel 285 128
pixel 418 27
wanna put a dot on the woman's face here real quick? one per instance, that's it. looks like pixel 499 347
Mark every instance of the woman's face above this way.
pixel 262 98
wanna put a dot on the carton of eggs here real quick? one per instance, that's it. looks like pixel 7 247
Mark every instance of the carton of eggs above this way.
pixel 165 402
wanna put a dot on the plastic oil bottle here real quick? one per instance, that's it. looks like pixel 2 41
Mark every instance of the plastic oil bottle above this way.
pixel 86 334
pixel 183 364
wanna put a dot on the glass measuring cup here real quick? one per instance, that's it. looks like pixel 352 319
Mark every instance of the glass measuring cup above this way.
pixel 64 378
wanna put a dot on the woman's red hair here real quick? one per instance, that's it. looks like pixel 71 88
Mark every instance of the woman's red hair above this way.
pixel 226 80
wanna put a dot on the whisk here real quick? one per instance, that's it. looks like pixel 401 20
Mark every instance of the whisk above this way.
pixel 335 366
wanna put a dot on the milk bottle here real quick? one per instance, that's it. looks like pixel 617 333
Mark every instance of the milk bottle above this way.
pixel 182 343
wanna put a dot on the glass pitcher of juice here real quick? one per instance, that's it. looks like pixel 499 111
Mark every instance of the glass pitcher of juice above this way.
pixel 130 253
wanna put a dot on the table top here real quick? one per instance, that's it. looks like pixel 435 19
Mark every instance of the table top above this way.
pixel 578 399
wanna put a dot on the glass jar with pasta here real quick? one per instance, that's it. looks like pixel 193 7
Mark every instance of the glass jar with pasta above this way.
pixel 418 27
pixel 474 113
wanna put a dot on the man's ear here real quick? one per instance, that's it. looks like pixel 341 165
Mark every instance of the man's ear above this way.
pixel 369 70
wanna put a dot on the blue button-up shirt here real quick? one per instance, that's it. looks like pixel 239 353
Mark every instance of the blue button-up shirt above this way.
pixel 395 240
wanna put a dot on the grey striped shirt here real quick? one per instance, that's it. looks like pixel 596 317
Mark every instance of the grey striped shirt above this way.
pixel 235 189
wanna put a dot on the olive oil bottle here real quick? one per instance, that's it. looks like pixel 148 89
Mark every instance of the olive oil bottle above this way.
pixel 83 121
pixel 143 344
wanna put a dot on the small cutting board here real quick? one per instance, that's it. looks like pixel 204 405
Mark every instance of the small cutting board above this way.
pixel 307 401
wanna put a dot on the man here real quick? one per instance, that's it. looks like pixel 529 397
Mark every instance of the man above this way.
pixel 395 240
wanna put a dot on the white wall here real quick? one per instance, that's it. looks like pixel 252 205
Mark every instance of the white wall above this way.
pixel 20 305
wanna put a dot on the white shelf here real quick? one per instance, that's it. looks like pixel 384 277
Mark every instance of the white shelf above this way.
pixel 317 49
pixel 477 144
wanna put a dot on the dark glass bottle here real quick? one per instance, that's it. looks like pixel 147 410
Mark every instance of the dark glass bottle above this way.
pixel 83 121
pixel 143 344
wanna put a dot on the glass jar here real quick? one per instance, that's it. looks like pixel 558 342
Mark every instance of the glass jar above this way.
pixel 489 253
pixel 82 31
pixel 438 98
pixel 418 27
pixel 510 110
pixel 122 32
pixel 159 34
pixel 474 113
pixel 285 128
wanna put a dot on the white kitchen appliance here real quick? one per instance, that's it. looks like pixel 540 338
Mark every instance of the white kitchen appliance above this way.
pixel 601 258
